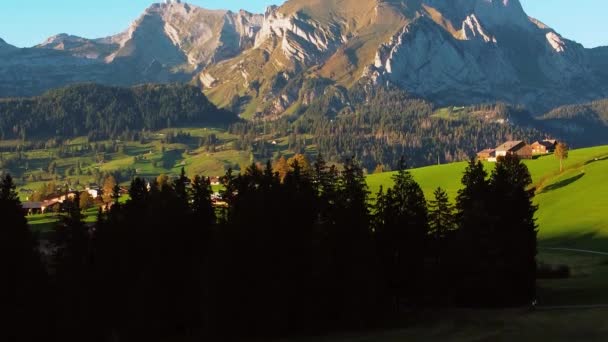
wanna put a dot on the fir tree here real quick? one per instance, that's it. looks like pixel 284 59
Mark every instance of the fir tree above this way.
pixel 24 287
pixel 72 271
pixel 441 221
pixel 402 237
pixel 515 230
pixel 475 243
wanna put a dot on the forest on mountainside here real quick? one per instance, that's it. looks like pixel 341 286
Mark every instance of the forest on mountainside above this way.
pixel 102 112
pixel 584 124
pixel 375 125
pixel 379 126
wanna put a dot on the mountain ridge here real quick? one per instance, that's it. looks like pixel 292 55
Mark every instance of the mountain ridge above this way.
pixel 450 52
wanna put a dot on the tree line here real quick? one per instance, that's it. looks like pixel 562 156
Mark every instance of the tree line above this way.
pixel 585 124
pixel 102 112
pixel 380 125
pixel 305 252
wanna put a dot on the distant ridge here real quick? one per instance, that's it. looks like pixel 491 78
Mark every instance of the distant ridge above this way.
pixel 456 52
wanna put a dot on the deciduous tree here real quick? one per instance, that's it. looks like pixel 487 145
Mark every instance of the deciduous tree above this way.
pixel 561 153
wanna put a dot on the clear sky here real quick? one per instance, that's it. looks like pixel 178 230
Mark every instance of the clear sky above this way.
pixel 29 22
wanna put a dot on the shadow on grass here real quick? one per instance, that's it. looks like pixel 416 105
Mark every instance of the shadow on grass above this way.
pixel 585 241
pixel 170 158
pixel 589 271
pixel 562 184
pixel 596 160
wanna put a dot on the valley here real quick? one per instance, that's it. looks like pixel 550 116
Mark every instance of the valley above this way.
pixel 160 183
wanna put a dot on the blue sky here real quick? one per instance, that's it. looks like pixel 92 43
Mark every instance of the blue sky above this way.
pixel 29 22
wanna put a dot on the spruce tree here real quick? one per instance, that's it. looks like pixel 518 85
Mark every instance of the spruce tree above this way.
pixel 475 240
pixel 24 287
pixel 403 237
pixel 202 207
pixel 441 221
pixel 72 271
pixel 515 229
pixel 354 249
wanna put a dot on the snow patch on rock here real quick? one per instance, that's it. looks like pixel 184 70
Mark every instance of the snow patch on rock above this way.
pixel 556 42
pixel 472 29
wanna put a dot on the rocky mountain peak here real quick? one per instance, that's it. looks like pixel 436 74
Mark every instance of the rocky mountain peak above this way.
pixel 449 51
pixel 62 41
pixel 491 13
pixel 194 35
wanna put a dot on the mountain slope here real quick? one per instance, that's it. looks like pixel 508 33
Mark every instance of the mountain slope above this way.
pixel 102 111
pixel 5 47
pixel 571 204
pixel 450 52
pixel 585 123
pixel 168 43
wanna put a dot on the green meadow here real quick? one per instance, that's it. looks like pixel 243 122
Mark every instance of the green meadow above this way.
pixel 573 214
pixel 573 205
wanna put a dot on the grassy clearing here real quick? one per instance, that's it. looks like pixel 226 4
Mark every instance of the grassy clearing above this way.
pixel 42 223
pixel 572 204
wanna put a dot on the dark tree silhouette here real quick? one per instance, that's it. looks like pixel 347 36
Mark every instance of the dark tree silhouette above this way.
pixel 475 238
pixel 403 236
pixel 442 222
pixel 24 289
pixel 71 262
pixel 277 255
pixel 515 230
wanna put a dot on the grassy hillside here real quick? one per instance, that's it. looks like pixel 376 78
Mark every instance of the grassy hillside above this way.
pixel 572 204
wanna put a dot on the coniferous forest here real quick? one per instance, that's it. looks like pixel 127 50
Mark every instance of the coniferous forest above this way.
pixel 304 253
pixel 102 112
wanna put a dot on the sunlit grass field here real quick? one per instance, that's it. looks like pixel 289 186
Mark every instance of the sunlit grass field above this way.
pixel 573 205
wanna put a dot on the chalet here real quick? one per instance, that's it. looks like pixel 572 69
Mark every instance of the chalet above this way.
pixel 516 147
pixel 33 208
pixel 487 155
pixel 544 147
pixel 94 193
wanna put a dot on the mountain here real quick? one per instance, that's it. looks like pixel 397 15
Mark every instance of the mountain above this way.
pixel 170 42
pixel 447 51
pixel 451 52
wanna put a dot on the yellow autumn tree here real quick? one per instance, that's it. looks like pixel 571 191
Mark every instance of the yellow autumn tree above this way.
pixel 108 189
pixel 302 162
pixel 282 167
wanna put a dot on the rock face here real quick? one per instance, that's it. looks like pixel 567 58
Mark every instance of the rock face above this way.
pixel 169 42
pixel 509 59
pixel 449 51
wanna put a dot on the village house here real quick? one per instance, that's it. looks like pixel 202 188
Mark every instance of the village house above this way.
pixel 544 147
pixel 488 154
pixel 33 208
pixel 93 192
pixel 516 147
